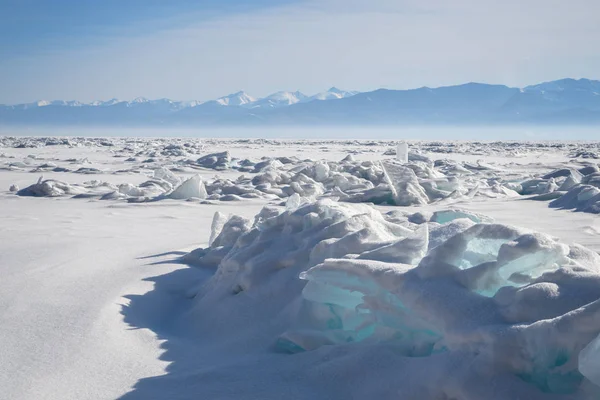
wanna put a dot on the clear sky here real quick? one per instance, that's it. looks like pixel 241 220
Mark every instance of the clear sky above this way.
pixel 202 49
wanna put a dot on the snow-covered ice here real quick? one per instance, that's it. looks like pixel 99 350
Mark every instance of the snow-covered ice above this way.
pixel 432 172
pixel 246 268
pixel 490 301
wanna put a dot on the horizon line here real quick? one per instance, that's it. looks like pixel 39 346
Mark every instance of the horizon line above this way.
pixel 296 91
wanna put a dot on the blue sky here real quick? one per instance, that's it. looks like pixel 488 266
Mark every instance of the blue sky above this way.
pixel 34 26
pixel 95 50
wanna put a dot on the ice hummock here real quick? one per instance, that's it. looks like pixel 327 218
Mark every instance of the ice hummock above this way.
pixel 418 181
pixel 51 188
pixel 584 198
pixel 474 301
pixel 420 178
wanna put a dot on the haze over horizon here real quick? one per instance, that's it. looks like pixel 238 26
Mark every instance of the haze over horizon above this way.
pixel 193 50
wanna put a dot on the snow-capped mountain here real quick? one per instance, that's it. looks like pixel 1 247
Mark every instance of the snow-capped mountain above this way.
pixel 240 99
pixel 190 103
pixel 46 103
pixel 333 93
pixel 567 101
pixel 279 99
pixel 236 99
pixel 137 100
pixel 105 103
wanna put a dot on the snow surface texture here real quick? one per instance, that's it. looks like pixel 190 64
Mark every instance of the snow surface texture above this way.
pixel 478 305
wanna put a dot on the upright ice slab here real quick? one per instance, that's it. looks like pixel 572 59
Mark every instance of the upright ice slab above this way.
pixel 589 361
pixel 405 186
pixel 190 188
pixel 218 222
pixel 402 152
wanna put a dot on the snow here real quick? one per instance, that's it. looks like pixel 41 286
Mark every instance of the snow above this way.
pixel 143 280
pixel 241 98
pixel 332 94
pixel 279 99
pixel 236 99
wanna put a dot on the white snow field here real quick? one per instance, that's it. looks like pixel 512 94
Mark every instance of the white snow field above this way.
pixel 267 269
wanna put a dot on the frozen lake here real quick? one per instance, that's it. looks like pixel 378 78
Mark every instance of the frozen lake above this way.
pixel 309 299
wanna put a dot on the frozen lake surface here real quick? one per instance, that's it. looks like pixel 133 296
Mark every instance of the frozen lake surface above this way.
pixel 346 274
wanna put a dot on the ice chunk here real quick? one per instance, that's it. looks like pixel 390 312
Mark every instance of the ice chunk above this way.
pixel 166 175
pixel 592 179
pixel 51 188
pixel 130 190
pixel 589 361
pixel 586 194
pixel 584 198
pixel 549 186
pixel 405 186
pixel 231 231
pixel 406 251
pixel 584 257
pixel 414 156
pixel 420 217
pixel 402 152
pixel 469 248
pixel 365 239
pixel 266 213
pixel 321 171
pixel 218 222
pixel 445 216
pixel 268 165
pixel 441 233
pixel 533 186
pixel 448 184
pixel 190 188
pixel 154 187
pixel 590 169
pixel 569 183
pixel 531 255
pixel 218 161
pixel 565 172
pixel 354 301
pixel 293 202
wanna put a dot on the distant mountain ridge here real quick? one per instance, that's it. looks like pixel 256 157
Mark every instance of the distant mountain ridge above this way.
pixel 565 101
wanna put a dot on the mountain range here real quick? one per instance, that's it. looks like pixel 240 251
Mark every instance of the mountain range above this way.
pixel 565 101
